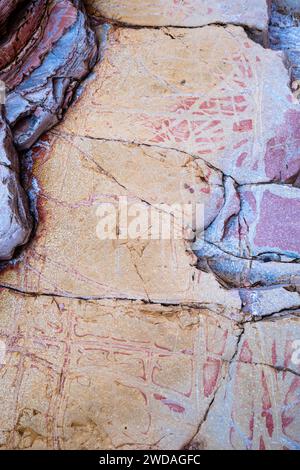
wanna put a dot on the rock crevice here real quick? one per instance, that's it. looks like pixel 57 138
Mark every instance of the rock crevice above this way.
pixel 47 48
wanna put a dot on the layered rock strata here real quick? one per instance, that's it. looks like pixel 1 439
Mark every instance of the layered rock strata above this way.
pixel 15 220
pixel 284 34
pixel 47 48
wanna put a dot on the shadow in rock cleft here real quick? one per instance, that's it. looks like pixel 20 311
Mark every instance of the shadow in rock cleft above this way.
pixel 47 49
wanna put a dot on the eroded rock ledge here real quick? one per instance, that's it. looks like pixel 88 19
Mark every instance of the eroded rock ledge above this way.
pixel 47 48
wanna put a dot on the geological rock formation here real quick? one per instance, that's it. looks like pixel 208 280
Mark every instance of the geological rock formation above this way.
pixel 47 48
pixel 226 122
pixel 15 221
pixel 284 34
pixel 254 241
pixel 188 13
pixel 144 343
pixel 288 5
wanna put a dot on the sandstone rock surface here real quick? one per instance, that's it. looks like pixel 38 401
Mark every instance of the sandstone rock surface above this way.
pixel 183 342
pixel 221 114
pixel 106 375
pixel 254 240
pixel 144 139
pixel 118 374
pixel 258 408
pixel 187 13
pixel 219 107
pixel 67 258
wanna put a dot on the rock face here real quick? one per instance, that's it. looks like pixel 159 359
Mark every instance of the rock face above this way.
pixel 120 374
pixel 113 267
pixel 284 34
pixel 254 240
pixel 15 221
pixel 7 8
pixel 290 6
pixel 101 375
pixel 50 50
pixel 125 338
pixel 47 48
pixel 226 121
pixel 214 109
pixel 188 13
pixel 258 407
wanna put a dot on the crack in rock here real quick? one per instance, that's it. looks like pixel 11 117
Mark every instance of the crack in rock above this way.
pixel 185 14
pixel 193 445
pixel 243 244
pixel 252 243
pixel 47 49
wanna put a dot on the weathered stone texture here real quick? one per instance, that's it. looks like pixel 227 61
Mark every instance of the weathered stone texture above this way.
pixel 284 34
pixel 288 5
pixel 119 374
pixel 259 406
pixel 188 13
pixel 139 135
pixel 66 256
pixel 45 54
pixel 217 110
pixel 106 375
pixel 254 240
pixel 219 107
pixel 47 48
pixel 129 343
pixel 15 220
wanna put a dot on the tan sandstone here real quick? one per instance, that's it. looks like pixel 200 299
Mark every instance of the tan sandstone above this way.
pixel 187 13
pixel 92 355
pixel 107 375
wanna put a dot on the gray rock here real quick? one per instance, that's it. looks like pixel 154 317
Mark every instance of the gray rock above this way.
pixel 15 220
